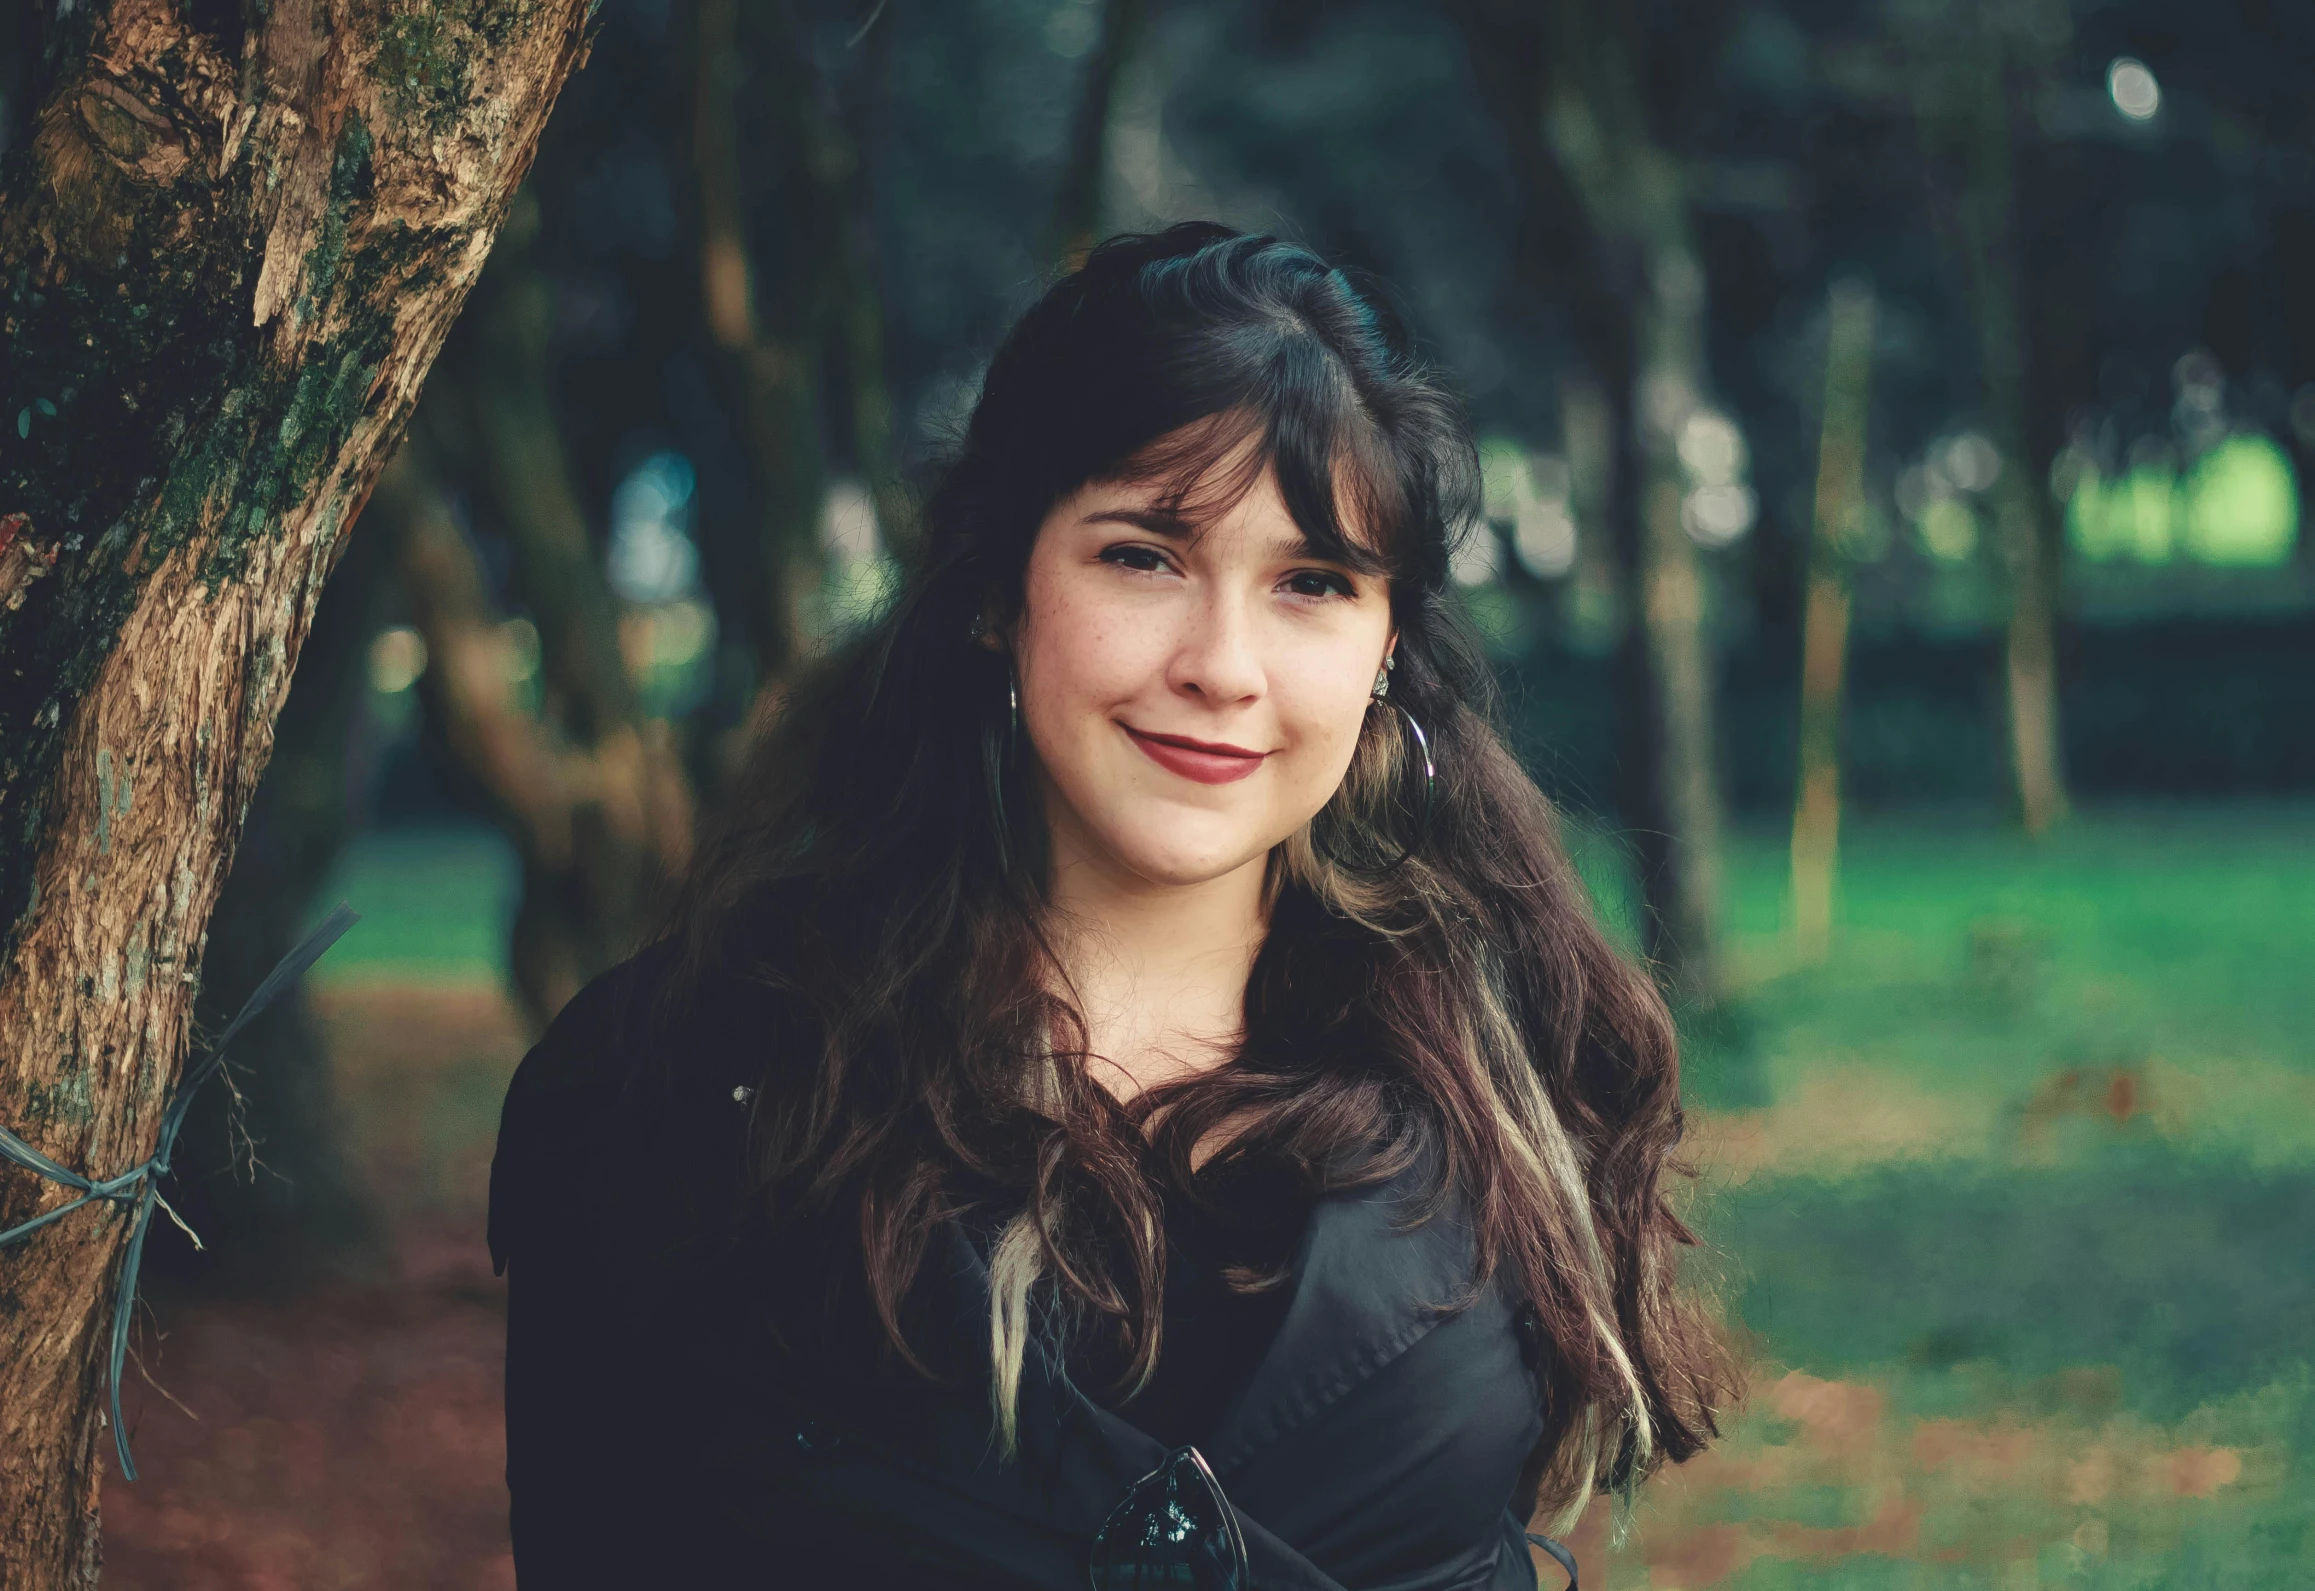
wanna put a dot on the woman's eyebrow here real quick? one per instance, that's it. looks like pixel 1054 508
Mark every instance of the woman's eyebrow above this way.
pixel 1157 521
pixel 1177 526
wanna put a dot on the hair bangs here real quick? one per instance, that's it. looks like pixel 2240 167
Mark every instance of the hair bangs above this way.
pixel 1329 454
pixel 1332 465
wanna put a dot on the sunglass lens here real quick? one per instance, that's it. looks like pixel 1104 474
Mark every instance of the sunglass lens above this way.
pixel 1174 1529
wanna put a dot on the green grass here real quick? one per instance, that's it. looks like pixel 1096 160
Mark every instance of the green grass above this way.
pixel 2071 1273
pixel 2193 1278
pixel 1967 957
pixel 435 904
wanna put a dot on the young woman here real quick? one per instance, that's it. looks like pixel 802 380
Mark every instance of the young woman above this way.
pixel 1136 1095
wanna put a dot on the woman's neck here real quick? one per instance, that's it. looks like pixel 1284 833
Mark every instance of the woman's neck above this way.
pixel 1159 970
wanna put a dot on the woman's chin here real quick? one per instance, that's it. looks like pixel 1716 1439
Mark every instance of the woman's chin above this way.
pixel 1184 865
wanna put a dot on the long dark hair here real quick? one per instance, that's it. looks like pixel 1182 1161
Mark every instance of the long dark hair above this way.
pixel 885 867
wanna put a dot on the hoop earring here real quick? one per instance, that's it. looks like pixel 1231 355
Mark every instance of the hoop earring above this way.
pixel 999 753
pixel 1422 806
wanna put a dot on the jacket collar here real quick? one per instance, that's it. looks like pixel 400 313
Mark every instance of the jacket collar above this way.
pixel 1367 1287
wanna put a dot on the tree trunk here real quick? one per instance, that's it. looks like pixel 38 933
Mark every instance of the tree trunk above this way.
pixel 2023 518
pixel 1967 115
pixel 583 909
pixel 227 260
pixel 1609 237
pixel 1825 626
pixel 1682 800
pixel 539 784
pixel 1077 205
pixel 775 378
pixel 261 1167
pixel 874 432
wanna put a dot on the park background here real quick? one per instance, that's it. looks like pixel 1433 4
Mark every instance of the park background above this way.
pixel 1895 416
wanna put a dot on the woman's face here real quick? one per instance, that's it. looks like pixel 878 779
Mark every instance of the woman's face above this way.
pixel 1193 689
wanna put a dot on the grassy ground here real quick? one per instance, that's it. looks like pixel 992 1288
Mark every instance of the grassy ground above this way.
pixel 2013 1202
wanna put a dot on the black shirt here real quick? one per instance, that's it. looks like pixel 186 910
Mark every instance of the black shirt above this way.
pixel 1240 1218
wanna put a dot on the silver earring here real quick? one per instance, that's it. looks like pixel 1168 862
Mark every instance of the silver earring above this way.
pixel 1383 678
pixel 1013 699
pixel 1417 810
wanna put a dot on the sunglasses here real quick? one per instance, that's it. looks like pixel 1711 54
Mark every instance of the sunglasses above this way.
pixel 1174 1528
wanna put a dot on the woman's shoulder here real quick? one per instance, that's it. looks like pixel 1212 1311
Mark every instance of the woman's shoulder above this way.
pixel 639 1066
pixel 597 1049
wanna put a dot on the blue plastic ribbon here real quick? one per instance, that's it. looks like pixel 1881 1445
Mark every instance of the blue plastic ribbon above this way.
pixel 139 1186
pixel 1560 1555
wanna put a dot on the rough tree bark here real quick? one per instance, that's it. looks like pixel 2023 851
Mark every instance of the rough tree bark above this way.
pixel 261 1168
pixel 1609 238
pixel 227 256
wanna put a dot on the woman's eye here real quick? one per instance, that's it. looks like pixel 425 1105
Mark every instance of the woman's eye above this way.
pixel 1319 583
pixel 1146 560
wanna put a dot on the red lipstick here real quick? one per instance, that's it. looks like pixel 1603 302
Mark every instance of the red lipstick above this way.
pixel 1208 762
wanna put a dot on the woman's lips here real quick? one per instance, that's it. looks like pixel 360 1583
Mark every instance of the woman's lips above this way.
pixel 1196 759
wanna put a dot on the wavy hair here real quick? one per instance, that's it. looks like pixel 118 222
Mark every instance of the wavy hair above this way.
pixel 884 865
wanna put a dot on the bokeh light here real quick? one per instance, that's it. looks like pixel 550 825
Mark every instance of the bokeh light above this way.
pixel 652 557
pixel 2133 89
pixel 397 659
pixel 2237 506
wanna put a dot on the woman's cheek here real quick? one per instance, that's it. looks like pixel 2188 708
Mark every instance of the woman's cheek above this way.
pixel 1329 732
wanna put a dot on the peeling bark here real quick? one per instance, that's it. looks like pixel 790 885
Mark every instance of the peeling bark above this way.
pixel 225 265
pixel 261 1169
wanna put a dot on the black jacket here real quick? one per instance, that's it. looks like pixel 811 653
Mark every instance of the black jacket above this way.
pixel 667 1425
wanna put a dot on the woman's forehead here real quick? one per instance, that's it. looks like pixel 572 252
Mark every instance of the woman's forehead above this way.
pixel 1223 469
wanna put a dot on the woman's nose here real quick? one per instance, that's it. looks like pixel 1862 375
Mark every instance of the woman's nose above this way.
pixel 1216 657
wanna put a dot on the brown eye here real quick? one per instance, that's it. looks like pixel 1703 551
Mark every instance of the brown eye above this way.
pixel 1319 583
pixel 1146 560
